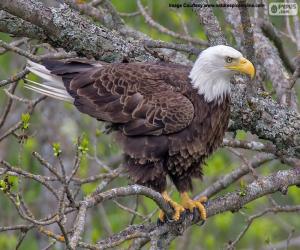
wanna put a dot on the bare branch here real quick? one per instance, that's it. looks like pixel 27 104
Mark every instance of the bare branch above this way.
pixel 13 25
pixel 79 225
pixel 253 145
pixel 251 219
pixel 175 46
pixel 14 78
pixel 224 181
pixel 163 29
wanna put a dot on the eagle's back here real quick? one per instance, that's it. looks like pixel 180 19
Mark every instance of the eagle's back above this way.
pixel 163 124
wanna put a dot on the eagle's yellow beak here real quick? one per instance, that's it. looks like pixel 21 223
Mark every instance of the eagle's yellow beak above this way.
pixel 243 66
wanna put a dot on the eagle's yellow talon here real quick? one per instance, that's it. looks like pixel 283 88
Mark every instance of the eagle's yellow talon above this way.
pixel 202 199
pixel 190 204
pixel 161 216
pixel 178 209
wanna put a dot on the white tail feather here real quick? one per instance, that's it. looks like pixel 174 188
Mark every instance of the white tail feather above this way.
pixel 53 85
pixel 49 93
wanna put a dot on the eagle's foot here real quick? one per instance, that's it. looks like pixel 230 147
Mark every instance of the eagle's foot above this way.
pixel 178 209
pixel 190 204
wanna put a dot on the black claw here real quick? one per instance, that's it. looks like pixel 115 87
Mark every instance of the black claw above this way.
pixel 159 222
pixel 201 223
pixel 205 204
pixel 197 217
pixel 196 214
pixel 184 214
pixel 165 220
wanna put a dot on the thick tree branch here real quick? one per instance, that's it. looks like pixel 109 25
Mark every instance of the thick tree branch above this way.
pixel 210 23
pixel 268 120
pixel 65 28
pixel 16 26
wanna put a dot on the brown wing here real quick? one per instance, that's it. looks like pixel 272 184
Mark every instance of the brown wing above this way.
pixel 139 97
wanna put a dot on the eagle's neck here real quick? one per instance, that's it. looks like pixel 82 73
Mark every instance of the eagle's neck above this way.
pixel 213 84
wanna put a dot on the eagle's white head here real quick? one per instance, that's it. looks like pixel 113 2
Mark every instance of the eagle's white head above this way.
pixel 213 69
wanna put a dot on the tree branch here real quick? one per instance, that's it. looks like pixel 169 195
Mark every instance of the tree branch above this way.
pixel 233 201
pixel 65 28
pixel 210 23
pixel 16 26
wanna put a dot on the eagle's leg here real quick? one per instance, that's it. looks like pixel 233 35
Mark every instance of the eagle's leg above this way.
pixel 178 209
pixel 190 204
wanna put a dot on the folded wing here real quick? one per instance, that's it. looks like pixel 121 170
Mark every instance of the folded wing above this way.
pixel 139 98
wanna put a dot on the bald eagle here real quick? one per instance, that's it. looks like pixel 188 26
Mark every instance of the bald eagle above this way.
pixel 168 117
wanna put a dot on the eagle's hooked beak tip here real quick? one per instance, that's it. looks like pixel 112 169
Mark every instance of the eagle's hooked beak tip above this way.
pixel 244 66
pixel 247 67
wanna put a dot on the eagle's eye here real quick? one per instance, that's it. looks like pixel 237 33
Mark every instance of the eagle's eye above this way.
pixel 228 59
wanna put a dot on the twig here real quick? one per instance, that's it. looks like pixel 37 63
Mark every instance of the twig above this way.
pixel 19 51
pixel 104 220
pixel 253 145
pixel 26 174
pixel 88 10
pixel 8 106
pixel 289 239
pixel 250 220
pixel 17 98
pixel 270 31
pixel 174 46
pixel 129 210
pixel 65 236
pixel 22 237
pixel 296 73
pixel 47 165
pixel 15 43
pixel 96 2
pixel 17 227
pixel 131 14
pixel 226 180
pixel 297 30
pixel 163 29
pixel 14 78
pixel 288 26
pixel 50 245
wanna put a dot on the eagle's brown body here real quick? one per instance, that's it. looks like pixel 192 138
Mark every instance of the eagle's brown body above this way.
pixel 163 124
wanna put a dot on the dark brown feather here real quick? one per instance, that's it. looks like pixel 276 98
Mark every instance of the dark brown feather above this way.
pixel 164 126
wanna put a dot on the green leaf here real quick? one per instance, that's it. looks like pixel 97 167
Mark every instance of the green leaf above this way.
pixel 5 184
pixel 56 149
pixel 241 135
pixel 83 144
pixel 2 185
pixel 98 132
pixel 25 120
pixel 242 184
pixel 18 201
